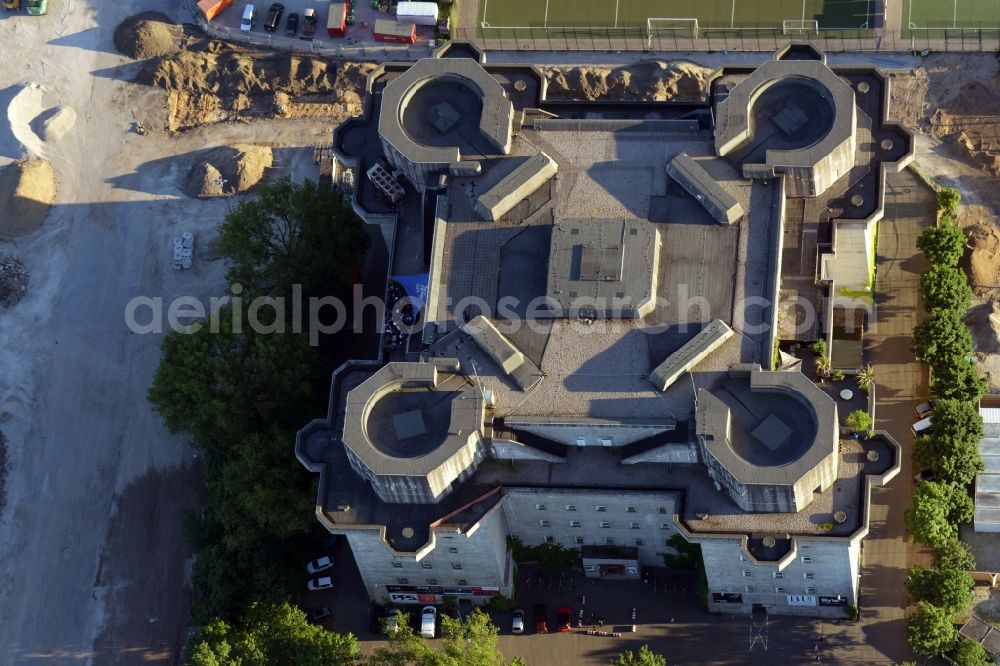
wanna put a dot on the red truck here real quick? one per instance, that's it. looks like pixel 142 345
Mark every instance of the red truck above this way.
pixel 336 20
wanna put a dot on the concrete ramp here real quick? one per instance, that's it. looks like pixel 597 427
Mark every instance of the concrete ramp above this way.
pixel 691 354
pixel 515 364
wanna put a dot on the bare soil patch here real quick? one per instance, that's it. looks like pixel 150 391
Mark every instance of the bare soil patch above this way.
pixel 653 80
pixel 147 35
pixel 210 81
pixel 228 170
pixel 27 190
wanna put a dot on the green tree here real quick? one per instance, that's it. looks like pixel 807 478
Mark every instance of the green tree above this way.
pixel 293 233
pixel 954 554
pixel 822 366
pixel 957 420
pixel 470 642
pixel 405 648
pixel 958 380
pixel 948 199
pixel 277 634
pixel 858 421
pixel 645 657
pixel 866 378
pixel 945 286
pixel 950 589
pixel 969 653
pixel 942 245
pixel 942 339
pixel 957 461
pixel 937 510
pixel 930 630
pixel 218 386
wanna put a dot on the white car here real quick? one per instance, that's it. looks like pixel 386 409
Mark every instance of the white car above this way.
pixel 921 425
pixel 517 625
pixel 321 583
pixel 248 18
pixel 428 621
pixel 924 409
pixel 319 564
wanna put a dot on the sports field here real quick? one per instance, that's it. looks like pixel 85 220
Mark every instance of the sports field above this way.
pixel 688 17
pixel 935 14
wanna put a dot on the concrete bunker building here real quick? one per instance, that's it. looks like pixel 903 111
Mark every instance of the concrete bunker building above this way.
pixel 631 406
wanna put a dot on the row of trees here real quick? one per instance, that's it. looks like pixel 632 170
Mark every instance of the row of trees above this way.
pixel 948 454
pixel 240 393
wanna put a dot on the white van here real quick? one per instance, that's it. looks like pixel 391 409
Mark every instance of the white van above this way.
pixel 921 425
pixel 428 621
pixel 248 16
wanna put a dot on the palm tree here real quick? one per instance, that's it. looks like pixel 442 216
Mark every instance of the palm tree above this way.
pixel 866 378
pixel 822 366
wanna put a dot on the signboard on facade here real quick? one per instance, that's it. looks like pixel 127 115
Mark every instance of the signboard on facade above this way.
pixel 833 601
pixel 801 600
pixel 727 598
pixel 438 591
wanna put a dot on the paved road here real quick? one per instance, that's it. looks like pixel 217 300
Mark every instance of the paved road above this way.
pixel 901 383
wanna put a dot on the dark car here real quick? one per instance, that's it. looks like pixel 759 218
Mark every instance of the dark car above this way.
pixel 292 25
pixel 564 620
pixel 274 17
pixel 309 23
pixel 541 619
pixel 319 614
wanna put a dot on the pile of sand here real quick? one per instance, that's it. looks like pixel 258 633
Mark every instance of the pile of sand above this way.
pixel 984 324
pixel 147 35
pixel 27 190
pixel 54 123
pixel 228 170
pixel 217 82
pixel 983 266
pixel 653 80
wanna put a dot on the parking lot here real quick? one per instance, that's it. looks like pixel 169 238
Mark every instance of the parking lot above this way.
pixel 669 618
pixel 359 34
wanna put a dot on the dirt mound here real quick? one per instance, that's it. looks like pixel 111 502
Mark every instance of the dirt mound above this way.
pixel 216 82
pixel 984 324
pixel 147 35
pixel 983 263
pixel 54 123
pixel 27 190
pixel 228 170
pixel 653 80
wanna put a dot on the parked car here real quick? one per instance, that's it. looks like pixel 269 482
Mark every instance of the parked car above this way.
pixel 564 620
pixel 321 583
pixel 921 425
pixel 292 25
pixel 517 624
pixel 319 614
pixel 541 619
pixel 392 621
pixel 428 621
pixel 274 17
pixel 924 409
pixel 319 564
pixel 309 22
pixel 248 18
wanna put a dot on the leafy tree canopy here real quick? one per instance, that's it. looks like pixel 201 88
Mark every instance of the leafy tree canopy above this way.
pixel 937 510
pixel 930 630
pixel 644 657
pixel 858 421
pixel 954 554
pixel 275 634
pixel 950 589
pixel 942 339
pixel 957 420
pixel 969 653
pixel 948 199
pixel 958 380
pixel 957 461
pixel 943 245
pixel 293 233
pixel 945 286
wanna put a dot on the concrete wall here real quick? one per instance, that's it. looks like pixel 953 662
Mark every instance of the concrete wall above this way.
pixel 831 571
pixel 481 553
pixel 525 518
pixel 668 453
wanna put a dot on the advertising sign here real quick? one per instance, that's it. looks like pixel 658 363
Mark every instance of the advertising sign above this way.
pixel 833 601
pixel 801 600
pixel 727 598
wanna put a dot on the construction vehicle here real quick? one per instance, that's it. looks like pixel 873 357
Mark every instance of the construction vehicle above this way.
pixel 11 5
pixel 36 7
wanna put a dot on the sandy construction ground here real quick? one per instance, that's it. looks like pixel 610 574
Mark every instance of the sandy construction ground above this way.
pixel 92 560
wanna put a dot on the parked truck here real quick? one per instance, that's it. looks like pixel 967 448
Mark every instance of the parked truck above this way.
pixel 308 22
pixel 336 20
pixel 11 5
pixel 212 8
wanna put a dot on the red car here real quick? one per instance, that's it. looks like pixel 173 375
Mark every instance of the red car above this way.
pixel 563 619
pixel 541 620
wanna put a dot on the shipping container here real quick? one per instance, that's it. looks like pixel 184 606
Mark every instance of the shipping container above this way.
pixel 212 8
pixel 394 31
pixel 421 13
pixel 336 20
